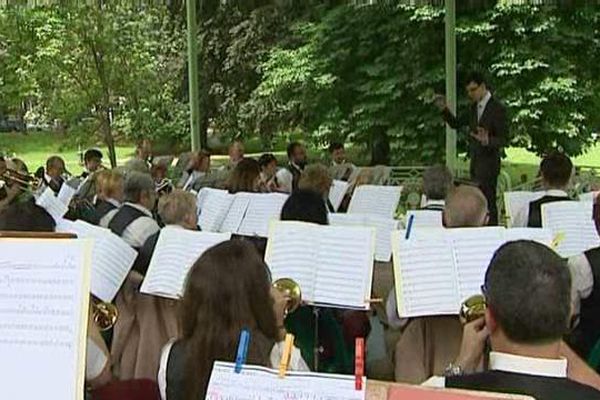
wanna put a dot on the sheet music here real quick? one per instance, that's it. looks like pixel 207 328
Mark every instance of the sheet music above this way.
pixel 425 283
pixel 215 205
pixel 112 258
pixel 260 383
pixel 345 266
pixel 175 253
pixel 473 250
pixel 573 220
pixel 66 193
pixel 516 201
pixel 383 230
pixel 540 235
pixel 425 218
pixel 292 253
pixel 263 208
pixel 44 293
pixel 235 214
pixel 374 199
pixel 337 192
pixel 52 204
pixel 203 194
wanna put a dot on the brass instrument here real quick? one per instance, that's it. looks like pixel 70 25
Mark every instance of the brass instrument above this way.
pixel 11 177
pixel 105 315
pixel 291 290
pixel 472 308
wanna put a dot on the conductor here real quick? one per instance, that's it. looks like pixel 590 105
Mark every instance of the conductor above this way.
pixel 488 131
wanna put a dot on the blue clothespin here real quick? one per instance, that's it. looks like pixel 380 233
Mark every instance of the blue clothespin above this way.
pixel 409 227
pixel 242 350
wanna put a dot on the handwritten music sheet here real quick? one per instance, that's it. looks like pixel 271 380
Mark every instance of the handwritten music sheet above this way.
pixel 44 294
pixel 425 276
pixel 514 202
pixel 383 230
pixel 260 383
pixel 176 252
pixel 573 221
pixel 337 192
pixel 49 202
pixel 375 199
pixel 321 257
pixel 215 206
pixel 263 208
pixel 425 218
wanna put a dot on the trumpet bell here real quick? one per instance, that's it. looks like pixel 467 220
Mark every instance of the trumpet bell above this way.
pixel 472 308
pixel 105 315
pixel 291 290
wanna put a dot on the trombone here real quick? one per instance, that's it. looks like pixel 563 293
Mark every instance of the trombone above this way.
pixel 472 308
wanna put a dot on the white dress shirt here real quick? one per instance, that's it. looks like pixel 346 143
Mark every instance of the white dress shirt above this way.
pixel 139 230
pixel 285 179
pixel 582 280
pixel 550 368
pixel 521 217
pixel 481 104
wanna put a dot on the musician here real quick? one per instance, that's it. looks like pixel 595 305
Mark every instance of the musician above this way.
pixel 289 176
pixel 428 344
pixel 556 170
pixel 109 187
pixel 8 190
pixel 92 162
pixel 197 168
pixel 236 154
pixel 245 177
pixel 53 175
pixel 162 183
pixel 26 216
pixel 176 209
pixel 316 177
pixel 268 172
pixel 488 129
pixel 437 182
pixel 527 289
pixel 342 167
pixel 133 219
pixel 228 289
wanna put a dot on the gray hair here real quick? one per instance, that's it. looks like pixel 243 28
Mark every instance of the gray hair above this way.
pixel 136 165
pixel 176 206
pixel 437 180
pixel 137 183
pixel 466 207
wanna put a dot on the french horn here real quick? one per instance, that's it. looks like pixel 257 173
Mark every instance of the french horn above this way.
pixel 105 315
pixel 472 308
pixel 291 291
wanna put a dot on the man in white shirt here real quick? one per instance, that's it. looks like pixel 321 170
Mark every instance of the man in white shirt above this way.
pixel 556 170
pixel 341 168
pixel 289 176
pixel 133 219
pixel 53 175
pixel 236 154
pixel 527 290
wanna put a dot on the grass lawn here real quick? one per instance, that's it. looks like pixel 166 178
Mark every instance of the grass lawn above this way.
pixel 35 147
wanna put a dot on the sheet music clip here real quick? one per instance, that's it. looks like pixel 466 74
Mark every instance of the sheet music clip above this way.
pixel 359 362
pixel 560 236
pixel 409 226
pixel 287 354
pixel 242 350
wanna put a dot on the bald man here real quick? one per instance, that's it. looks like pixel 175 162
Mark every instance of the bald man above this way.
pixel 429 344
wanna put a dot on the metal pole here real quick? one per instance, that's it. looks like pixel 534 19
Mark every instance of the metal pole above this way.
pixel 450 36
pixel 192 31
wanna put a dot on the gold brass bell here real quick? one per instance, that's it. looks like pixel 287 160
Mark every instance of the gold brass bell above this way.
pixel 291 290
pixel 472 308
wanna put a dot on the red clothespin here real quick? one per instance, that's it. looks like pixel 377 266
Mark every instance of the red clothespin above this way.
pixel 359 362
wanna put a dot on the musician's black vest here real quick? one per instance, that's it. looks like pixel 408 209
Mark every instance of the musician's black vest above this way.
pixel 296 173
pixel 587 332
pixel 102 208
pixel 539 387
pixel 175 375
pixel 123 218
pixel 142 261
pixel 535 209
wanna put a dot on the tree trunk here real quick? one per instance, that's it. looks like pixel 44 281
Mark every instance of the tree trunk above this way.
pixel 108 136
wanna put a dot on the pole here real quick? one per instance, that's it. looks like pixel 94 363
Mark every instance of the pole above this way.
pixel 192 31
pixel 450 36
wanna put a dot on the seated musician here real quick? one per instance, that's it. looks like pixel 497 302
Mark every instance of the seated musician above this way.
pixel 437 181
pixel 316 177
pixel 198 167
pixel 527 289
pixel 9 190
pixel 268 171
pixel 133 219
pixel 29 217
pixel 52 176
pixel 245 177
pixel 162 183
pixel 109 187
pixel 92 162
pixel 176 209
pixel 341 168
pixel 236 154
pixel 228 289
pixel 556 170
pixel 289 176
pixel 429 343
